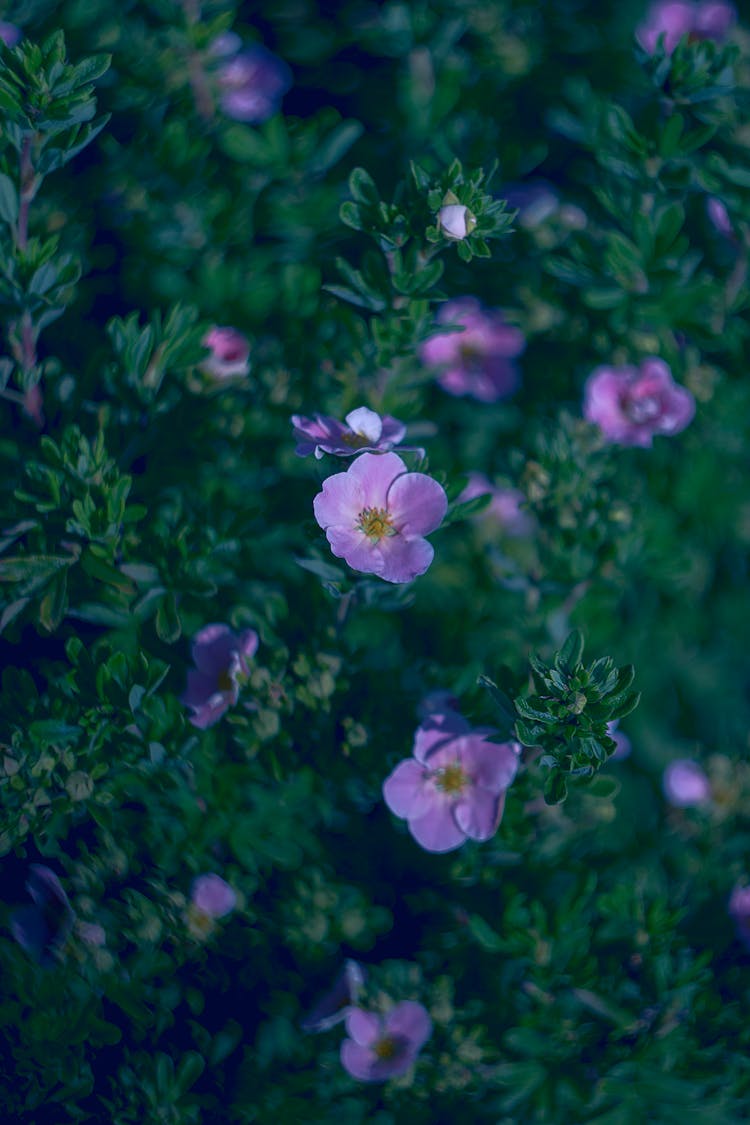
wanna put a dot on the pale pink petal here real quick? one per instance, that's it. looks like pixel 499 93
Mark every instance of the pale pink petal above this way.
pixel 437 831
pixel 404 559
pixel 436 731
pixel 363 1027
pixel 417 504
pixel 341 500
pixel 490 765
pixel 406 790
pixel 365 422
pixel 374 474
pixel 357 1061
pixel 409 1021
pixel 476 814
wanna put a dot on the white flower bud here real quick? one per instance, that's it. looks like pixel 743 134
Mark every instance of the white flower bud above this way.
pixel 456 221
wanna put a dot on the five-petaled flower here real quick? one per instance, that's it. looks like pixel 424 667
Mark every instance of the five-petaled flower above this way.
pixel 229 353
pixel 505 508
pixel 376 514
pixel 477 361
pixel 706 19
pixel 630 405
pixel 383 1047
pixel 453 788
pixel 221 659
pixel 362 430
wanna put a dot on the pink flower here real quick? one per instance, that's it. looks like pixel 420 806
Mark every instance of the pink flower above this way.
pixel 10 34
pixel 675 18
pixel 719 217
pixel 211 895
pixel 453 788
pixel 229 353
pixel 380 1047
pixel 376 514
pixel 506 507
pixel 739 909
pixel 630 405
pixel 456 221
pixel 622 747
pixel 251 83
pixel 686 784
pixel 335 1006
pixel 362 430
pixel 478 360
pixel 221 657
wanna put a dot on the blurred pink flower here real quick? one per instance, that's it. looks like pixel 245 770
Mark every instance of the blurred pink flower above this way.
pixel 719 217
pixel 10 34
pixel 685 784
pixel 506 507
pixel 478 360
pixel 221 657
pixel 251 82
pixel 211 895
pixel 675 18
pixel 739 909
pixel 362 430
pixel 229 353
pixel 630 405
pixel 453 788
pixel 376 514
pixel 623 747
pixel 382 1047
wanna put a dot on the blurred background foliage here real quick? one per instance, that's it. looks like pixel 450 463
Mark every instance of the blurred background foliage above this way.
pixel 581 966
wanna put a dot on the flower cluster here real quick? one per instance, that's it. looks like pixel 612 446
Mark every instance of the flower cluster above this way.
pixel 229 353
pixel 673 19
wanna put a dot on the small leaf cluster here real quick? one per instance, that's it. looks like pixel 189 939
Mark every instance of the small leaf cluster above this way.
pixel 568 714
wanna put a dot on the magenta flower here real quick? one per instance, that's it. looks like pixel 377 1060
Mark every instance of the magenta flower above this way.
pixel 211 895
pixel 362 430
pixel 453 788
pixel 507 506
pixel 478 360
pixel 10 34
pixel 675 18
pixel 251 82
pixel 739 910
pixel 376 514
pixel 221 659
pixel 42 929
pixel 383 1047
pixel 229 353
pixel 685 784
pixel 719 217
pixel 622 742
pixel 630 405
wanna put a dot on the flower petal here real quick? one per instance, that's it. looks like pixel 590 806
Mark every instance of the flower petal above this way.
pixel 477 814
pixel 410 1021
pixel 363 1027
pixel 417 503
pixel 437 831
pixel 490 765
pixel 403 560
pixel 366 423
pixel 436 731
pixel 212 649
pixel 406 790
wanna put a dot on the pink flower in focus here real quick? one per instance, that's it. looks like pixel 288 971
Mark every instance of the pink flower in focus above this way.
pixel 685 784
pixel 376 514
pixel 362 430
pixel 630 405
pixel 478 360
pixel 251 82
pixel 379 1048
pixel 229 353
pixel 675 18
pixel 221 657
pixel 739 909
pixel 453 788
pixel 10 34
pixel 211 895
pixel 506 507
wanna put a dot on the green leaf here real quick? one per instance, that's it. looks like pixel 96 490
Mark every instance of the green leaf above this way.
pixel 502 701
pixel 604 786
pixel 55 602
pixel 350 215
pixel 333 147
pixel 362 187
pixel 168 624
pixel 8 200
pixel 623 705
pixel 555 789
pixel 189 1070
pixel 484 934
pixel 571 652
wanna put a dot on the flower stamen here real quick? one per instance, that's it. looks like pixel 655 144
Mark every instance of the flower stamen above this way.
pixel 376 523
pixel 451 779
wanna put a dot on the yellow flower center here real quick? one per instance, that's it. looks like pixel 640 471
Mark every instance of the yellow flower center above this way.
pixel 355 440
pixel 386 1048
pixel 451 779
pixel 376 523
